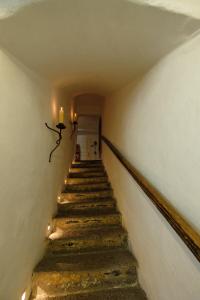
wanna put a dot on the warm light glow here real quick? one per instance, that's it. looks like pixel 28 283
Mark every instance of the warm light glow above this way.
pixel 59 197
pixel 75 116
pixel 65 181
pixel 49 227
pixel 54 109
pixel 56 234
pixel 23 296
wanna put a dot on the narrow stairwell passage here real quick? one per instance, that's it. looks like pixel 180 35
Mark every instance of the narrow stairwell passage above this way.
pixel 87 255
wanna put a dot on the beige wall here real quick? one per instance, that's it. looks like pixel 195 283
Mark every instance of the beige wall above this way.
pixel 88 104
pixel 156 125
pixel 29 184
pixel 190 8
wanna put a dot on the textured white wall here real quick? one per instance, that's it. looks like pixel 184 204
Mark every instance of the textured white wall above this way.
pixel 156 125
pixel 189 8
pixel 9 7
pixel 29 184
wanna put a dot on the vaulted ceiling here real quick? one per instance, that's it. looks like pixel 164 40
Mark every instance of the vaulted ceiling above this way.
pixel 92 45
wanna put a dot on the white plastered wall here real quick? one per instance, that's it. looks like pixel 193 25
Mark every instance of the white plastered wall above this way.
pixel 156 124
pixel 29 183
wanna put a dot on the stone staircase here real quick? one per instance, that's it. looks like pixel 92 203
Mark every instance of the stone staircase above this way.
pixel 87 255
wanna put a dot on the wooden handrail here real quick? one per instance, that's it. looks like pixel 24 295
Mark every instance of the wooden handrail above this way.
pixel 188 234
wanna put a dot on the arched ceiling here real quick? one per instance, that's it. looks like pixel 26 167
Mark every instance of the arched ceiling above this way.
pixel 92 45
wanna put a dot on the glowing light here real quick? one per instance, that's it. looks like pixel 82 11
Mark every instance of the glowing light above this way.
pixel 65 181
pixel 59 233
pixel 23 296
pixel 49 227
pixel 54 108
pixel 59 197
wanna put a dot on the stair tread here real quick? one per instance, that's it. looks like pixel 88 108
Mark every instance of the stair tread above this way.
pixel 98 231
pixel 87 165
pixel 84 272
pixel 90 187
pixel 129 293
pixel 87 262
pixel 89 160
pixel 82 162
pixel 90 174
pixel 86 204
pixel 80 207
pixel 66 202
pixel 89 239
pixel 89 184
pixel 70 196
pixel 87 169
pixel 87 213
pixel 90 180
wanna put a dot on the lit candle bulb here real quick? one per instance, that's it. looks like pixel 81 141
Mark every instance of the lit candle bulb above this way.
pixel 61 115
pixel 75 117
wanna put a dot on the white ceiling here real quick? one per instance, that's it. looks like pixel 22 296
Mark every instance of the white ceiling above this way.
pixel 92 45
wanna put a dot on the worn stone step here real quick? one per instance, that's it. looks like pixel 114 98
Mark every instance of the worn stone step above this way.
pixel 87 212
pixel 90 180
pixel 128 293
pixel 89 174
pixel 87 220
pixel 88 239
pixel 66 197
pixel 91 204
pixel 95 161
pixel 87 170
pixel 84 272
pixel 86 187
pixel 86 165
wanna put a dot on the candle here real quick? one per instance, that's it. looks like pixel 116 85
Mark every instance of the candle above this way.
pixel 61 115
pixel 75 117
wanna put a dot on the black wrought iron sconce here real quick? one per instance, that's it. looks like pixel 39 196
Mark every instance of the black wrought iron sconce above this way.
pixel 60 126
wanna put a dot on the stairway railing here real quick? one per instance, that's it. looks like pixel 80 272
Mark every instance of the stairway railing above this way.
pixel 185 231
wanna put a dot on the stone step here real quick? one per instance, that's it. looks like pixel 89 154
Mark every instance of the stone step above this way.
pixel 86 212
pixel 86 187
pixel 128 293
pixel 86 165
pixel 67 197
pixel 97 161
pixel 90 180
pixel 64 275
pixel 89 174
pixel 91 204
pixel 87 239
pixel 85 170
pixel 88 219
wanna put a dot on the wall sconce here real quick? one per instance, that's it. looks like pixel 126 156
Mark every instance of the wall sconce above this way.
pixel 60 126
